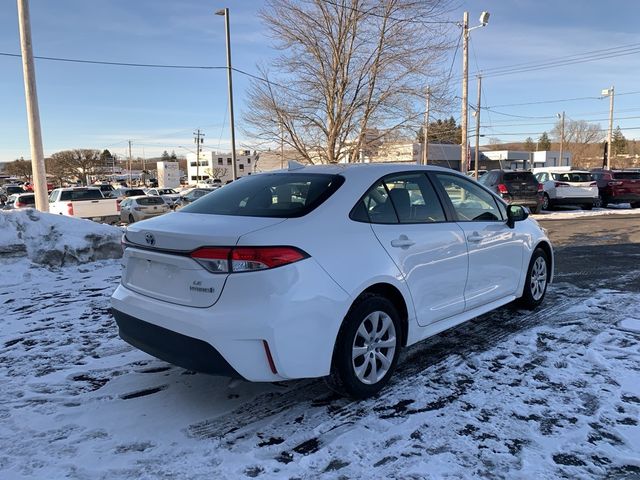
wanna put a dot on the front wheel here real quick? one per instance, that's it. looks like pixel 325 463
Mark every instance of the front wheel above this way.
pixel 587 206
pixel 367 348
pixel 535 286
pixel 131 219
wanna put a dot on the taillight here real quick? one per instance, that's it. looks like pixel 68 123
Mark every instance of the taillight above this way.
pixel 214 259
pixel 560 184
pixel 502 188
pixel 540 188
pixel 117 206
pixel 593 184
pixel 245 259
pixel 70 209
pixel 614 184
pixel 20 204
pixel 138 209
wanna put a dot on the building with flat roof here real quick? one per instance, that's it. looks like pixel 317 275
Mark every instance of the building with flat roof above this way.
pixel 218 165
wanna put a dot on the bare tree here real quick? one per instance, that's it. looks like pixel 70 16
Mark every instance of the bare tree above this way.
pixel 77 163
pixel 216 172
pixel 347 67
pixel 579 137
pixel 20 168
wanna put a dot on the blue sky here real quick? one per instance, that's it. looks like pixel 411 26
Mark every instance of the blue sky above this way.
pixel 96 106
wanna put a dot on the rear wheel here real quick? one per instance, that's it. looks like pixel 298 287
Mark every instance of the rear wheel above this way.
pixel 367 348
pixel 546 202
pixel 536 209
pixel 597 203
pixel 131 219
pixel 535 286
pixel 587 206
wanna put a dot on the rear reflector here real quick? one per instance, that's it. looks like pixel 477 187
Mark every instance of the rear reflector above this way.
pixel 272 365
pixel 245 259
pixel 70 209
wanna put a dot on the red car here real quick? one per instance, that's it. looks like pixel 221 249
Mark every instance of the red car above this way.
pixel 618 186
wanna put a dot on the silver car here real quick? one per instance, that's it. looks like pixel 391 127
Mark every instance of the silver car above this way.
pixel 134 209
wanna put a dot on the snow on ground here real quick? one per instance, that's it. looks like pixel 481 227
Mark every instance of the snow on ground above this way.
pixel 56 240
pixel 568 212
pixel 547 394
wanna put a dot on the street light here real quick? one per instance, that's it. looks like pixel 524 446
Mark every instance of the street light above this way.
pixel 225 13
pixel 484 20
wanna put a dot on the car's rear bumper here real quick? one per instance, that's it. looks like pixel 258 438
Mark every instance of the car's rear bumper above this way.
pixel 172 347
pixel 296 309
pixel 573 201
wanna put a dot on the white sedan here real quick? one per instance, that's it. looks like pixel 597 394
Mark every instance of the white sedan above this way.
pixel 568 187
pixel 325 271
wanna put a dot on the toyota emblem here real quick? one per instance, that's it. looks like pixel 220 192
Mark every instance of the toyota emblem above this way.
pixel 150 239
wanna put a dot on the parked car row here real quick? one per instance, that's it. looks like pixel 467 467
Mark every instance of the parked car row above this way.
pixel 546 188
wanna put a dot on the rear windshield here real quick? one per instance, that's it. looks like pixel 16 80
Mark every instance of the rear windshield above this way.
pixel 150 201
pixel 81 194
pixel 626 175
pixel 11 190
pixel 280 195
pixel 26 199
pixel 134 193
pixel 572 177
pixel 519 177
pixel 166 191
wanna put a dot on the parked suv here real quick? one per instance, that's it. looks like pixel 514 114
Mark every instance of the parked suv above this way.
pixel 515 186
pixel 618 186
pixel 568 187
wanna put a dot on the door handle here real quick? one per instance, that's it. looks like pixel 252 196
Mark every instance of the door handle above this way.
pixel 402 242
pixel 475 237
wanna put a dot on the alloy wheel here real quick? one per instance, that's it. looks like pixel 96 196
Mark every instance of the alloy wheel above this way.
pixel 374 347
pixel 538 280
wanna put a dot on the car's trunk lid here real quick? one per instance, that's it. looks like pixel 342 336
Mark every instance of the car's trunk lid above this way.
pixel 157 263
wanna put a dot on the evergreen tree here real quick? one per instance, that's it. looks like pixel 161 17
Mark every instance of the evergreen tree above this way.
pixel 173 156
pixel 618 142
pixel 442 131
pixel 543 142
pixel 529 145
pixel 165 156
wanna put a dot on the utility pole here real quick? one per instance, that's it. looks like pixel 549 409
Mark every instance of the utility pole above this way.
pixel 425 130
pixel 130 160
pixel 225 12
pixel 561 137
pixel 465 91
pixel 477 152
pixel 199 141
pixel 281 146
pixel 611 94
pixel 33 112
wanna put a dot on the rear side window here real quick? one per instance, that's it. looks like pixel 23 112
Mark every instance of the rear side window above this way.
pixel 80 194
pixel 150 201
pixel 519 177
pixel 279 195
pixel 626 175
pixel 403 198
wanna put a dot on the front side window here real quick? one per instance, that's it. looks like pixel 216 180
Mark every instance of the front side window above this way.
pixel 471 202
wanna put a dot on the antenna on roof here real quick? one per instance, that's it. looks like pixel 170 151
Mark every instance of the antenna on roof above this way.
pixel 293 165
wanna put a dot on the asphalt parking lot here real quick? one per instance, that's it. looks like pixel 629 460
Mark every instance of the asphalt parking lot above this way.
pixel 597 252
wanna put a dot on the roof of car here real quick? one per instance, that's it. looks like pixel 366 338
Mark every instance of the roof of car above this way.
pixel 377 168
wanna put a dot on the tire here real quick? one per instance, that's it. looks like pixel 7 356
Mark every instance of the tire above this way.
pixel 535 286
pixel 635 204
pixel 546 202
pixel 597 203
pixel 537 209
pixel 352 372
pixel 131 219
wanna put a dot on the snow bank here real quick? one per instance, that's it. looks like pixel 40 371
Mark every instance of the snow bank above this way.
pixel 56 240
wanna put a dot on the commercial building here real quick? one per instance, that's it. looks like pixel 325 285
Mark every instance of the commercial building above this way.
pixel 218 165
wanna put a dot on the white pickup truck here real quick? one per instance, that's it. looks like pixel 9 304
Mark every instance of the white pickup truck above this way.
pixel 84 202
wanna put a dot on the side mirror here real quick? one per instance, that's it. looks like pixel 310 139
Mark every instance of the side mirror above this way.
pixel 516 213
